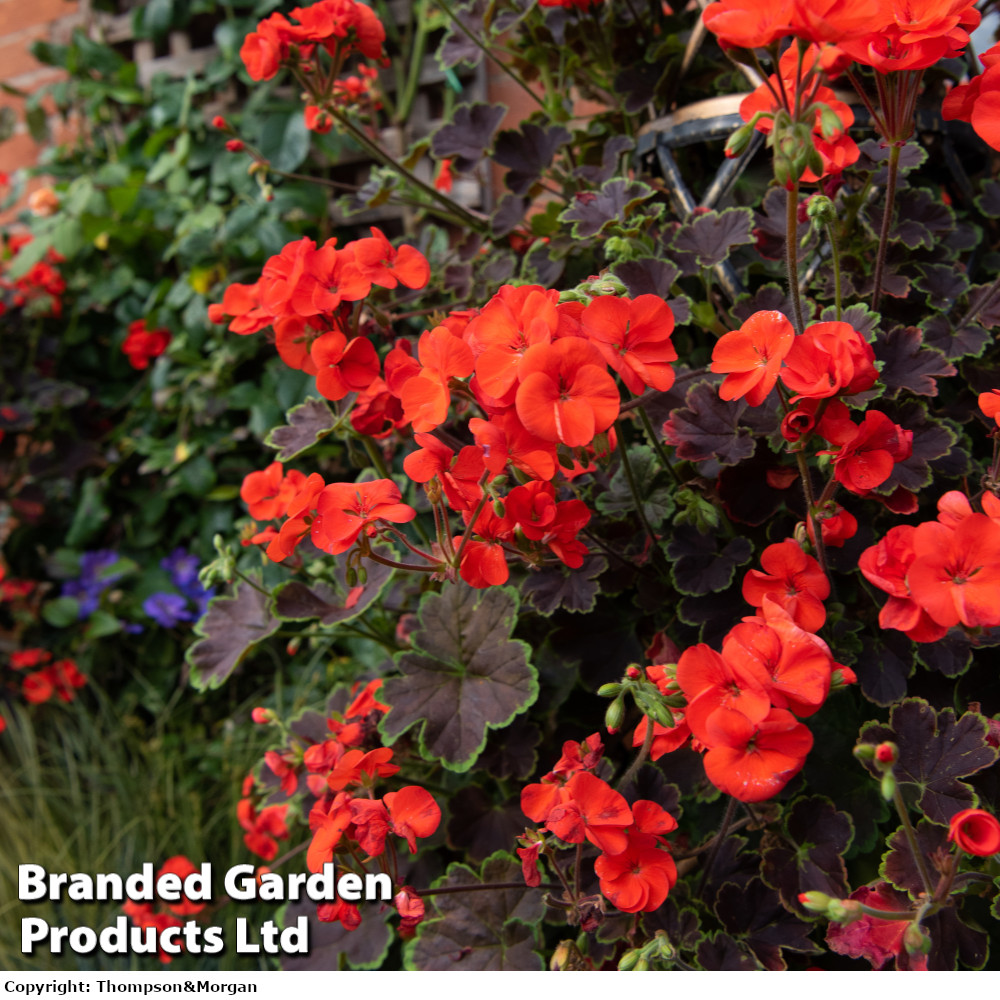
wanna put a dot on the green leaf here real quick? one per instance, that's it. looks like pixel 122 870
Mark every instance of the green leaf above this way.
pixel 231 628
pixel 61 612
pixel 90 515
pixel 285 140
pixel 308 423
pixel 101 624
pixel 657 503
pixel 480 931
pixel 464 676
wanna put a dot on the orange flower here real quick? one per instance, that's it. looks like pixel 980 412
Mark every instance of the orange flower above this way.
pixel 793 580
pixel 752 356
pixel 638 879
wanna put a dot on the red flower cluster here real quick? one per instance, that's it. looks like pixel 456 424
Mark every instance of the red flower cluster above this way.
pixel 141 344
pixel 940 573
pixel 263 829
pixel 828 359
pixel 339 26
pixel 307 294
pixel 636 871
pixel 40 288
pixel 60 678
pixel 741 703
pixel 143 915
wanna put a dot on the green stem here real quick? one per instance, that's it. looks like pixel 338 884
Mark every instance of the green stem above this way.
pixel 375 557
pixel 719 838
pixel 883 239
pixel 457 21
pixel 911 837
pixel 376 456
pixel 661 452
pixel 632 486
pixel 810 512
pixel 792 253
pixel 640 757
pixel 835 254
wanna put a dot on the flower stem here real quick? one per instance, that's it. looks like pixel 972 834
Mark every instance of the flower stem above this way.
pixel 640 757
pixel 720 837
pixel 883 239
pixel 792 253
pixel 911 837
pixel 632 486
pixel 647 426
pixel 835 255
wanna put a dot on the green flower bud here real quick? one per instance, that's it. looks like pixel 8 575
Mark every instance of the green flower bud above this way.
pixel 362 575
pixel 351 576
pixel 739 141
pixel 815 901
pixel 615 715
pixel 628 961
pixel 609 690
pixel 916 940
pixel 864 751
pixel 888 786
pixel 822 208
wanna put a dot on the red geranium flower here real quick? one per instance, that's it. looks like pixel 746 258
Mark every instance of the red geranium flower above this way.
pixel 181 866
pixel 792 580
pixel 638 879
pixel 142 345
pixel 752 356
pixel 829 359
pixel 413 813
pixel 867 459
pixel 566 393
pixel 975 831
pixel 344 510
pixel 378 261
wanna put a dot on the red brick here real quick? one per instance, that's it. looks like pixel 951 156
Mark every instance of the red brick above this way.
pixel 15 57
pixel 16 15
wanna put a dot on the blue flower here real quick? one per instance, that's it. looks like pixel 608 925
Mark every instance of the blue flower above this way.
pixel 182 567
pixel 167 609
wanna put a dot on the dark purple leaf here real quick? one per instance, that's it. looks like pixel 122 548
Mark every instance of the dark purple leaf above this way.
pixel 49 394
pixel 480 825
pixel 714 614
pixel 464 676
pixel 681 924
pixel 508 215
pixel 680 306
pixel 954 941
pixel 908 364
pixel 984 304
pixel 332 605
pixel 932 439
pixel 479 931
pixel 858 315
pixel 363 948
pixel 610 155
pixel 721 953
pixel 458 280
pixel 874 153
pixel 767 298
pixel 748 496
pixel 698 566
pixel 499 267
pixel 809 856
pixel 920 218
pixel 556 587
pixel 483 20
pixel 527 153
pixel 755 914
pixel 615 202
pixel 989 201
pixel 708 239
pixel 771 227
pixel 935 751
pixel 510 752
pixel 708 427
pixel 232 626
pixel 647 276
pixel 541 267
pixel 467 137
pixel 734 865
pixel 950 656
pixel 898 865
pixel 967 341
pixel 883 667
pixel 308 423
pixel 943 283
pixel 637 84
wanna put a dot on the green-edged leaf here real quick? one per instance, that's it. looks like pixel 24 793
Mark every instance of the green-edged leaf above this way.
pixel 810 854
pixel 308 423
pixel 336 603
pixel 898 866
pixel 231 628
pixel 935 751
pixel 557 587
pixel 707 239
pixel 615 202
pixel 464 676
pixel 329 944
pixel 698 566
pixel 480 931
pixel 657 503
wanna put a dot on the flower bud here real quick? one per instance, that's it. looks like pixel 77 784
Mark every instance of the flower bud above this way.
pixel 234 145
pixel 615 715
pixel 609 690
pixel 498 508
pixel 362 576
pixel 830 124
pixel 262 716
pixel 887 753
pixel 739 141
pixel 628 960
pixel 219 122
pixel 864 751
pixel 844 911
pixel 916 940
pixel 656 710
pixel 642 965
pixel 888 786
pixel 815 901
pixel 351 576
pixel 820 207
pixel 633 673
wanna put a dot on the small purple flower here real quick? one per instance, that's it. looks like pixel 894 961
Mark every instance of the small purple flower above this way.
pixel 167 609
pixel 182 567
pixel 94 579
